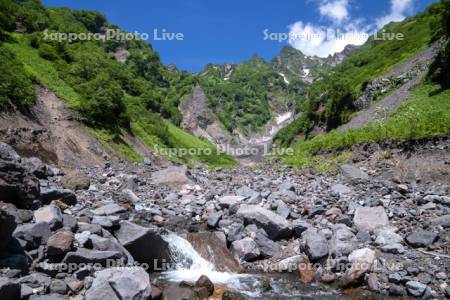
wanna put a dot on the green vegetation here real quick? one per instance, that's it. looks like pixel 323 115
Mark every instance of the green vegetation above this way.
pixel 245 100
pixel 329 102
pixel 115 99
pixel 426 114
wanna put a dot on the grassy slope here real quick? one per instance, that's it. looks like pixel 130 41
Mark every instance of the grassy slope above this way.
pixel 45 73
pixel 426 114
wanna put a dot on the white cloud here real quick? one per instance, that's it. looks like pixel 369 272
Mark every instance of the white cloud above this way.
pixel 398 11
pixel 335 10
pixel 323 41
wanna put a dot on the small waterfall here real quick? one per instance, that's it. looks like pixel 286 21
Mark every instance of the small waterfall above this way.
pixel 189 265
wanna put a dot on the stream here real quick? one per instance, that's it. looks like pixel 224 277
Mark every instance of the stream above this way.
pixel 190 265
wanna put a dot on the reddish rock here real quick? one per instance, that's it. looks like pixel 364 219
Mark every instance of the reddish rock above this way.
pixel 203 283
pixel 60 243
pixel 306 270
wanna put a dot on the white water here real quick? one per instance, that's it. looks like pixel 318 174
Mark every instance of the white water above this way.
pixel 284 77
pixel 190 265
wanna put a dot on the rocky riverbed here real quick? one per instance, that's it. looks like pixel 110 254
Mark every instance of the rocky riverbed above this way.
pixel 264 232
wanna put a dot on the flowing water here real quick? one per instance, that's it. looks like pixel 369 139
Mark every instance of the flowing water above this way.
pixel 189 266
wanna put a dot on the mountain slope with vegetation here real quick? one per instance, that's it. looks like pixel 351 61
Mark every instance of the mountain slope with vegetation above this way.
pixel 138 96
pixel 330 102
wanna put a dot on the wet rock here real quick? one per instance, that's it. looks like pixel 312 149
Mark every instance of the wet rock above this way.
pixel 118 284
pixel 315 244
pixel 362 260
pixel 275 225
pixel 204 283
pixel 306 270
pixel 370 218
pixel 33 235
pixel 7 227
pixel 421 238
pixel 229 201
pixel 66 196
pixel 9 290
pixel 86 256
pixel 213 219
pixel 109 209
pixel 17 185
pixel 60 243
pixel 76 180
pixel 145 245
pixel 353 173
pixel 49 214
pixel 416 288
pixel 245 249
pixel 211 248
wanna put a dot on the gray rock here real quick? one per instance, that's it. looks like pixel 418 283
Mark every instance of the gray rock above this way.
pixel 267 247
pixel 66 196
pixel 275 225
pixel 343 241
pixel 58 287
pixel 119 284
pixel 8 153
pixel 107 222
pixel 9 290
pixel 251 195
pixel 235 232
pixel 340 189
pixel 172 176
pixel 108 244
pixel 49 214
pixel 245 249
pixel 36 280
pixel 370 218
pixel 416 288
pixel 36 167
pixel 47 297
pixel 421 238
pixel 353 173
pixel 299 226
pixel 213 219
pixel 109 209
pixel 443 221
pixel 315 245
pixel 33 235
pixel 283 209
pixel 7 227
pixel 229 201
pixel 393 248
pixel 129 196
pixel 145 245
pixel 396 290
pixel 76 180
pixel 387 236
pixel 86 256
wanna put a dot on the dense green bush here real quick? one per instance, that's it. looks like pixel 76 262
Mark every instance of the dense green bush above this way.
pixel 16 88
pixel 47 52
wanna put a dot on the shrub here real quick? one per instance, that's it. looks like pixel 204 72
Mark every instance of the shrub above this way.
pixel 48 52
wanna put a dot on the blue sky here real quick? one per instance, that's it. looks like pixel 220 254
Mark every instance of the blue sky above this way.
pixel 232 31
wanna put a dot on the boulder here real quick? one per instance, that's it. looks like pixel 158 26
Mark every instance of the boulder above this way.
pixel 370 218
pixel 421 238
pixel 315 245
pixel 343 241
pixel 145 245
pixel 17 185
pixel 49 214
pixel 33 235
pixel 353 173
pixel 387 236
pixel 443 221
pixel 87 256
pixel 416 288
pixel 9 289
pixel 109 209
pixel 340 189
pixel 8 153
pixel 76 180
pixel 174 176
pixel 204 283
pixel 128 196
pixel 245 249
pixel 60 243
pixel 109 243
pixel 283 209
pixel 36 167
pixel 267 247
pixel 213 219
pixel 362 261
pixel 7 227
pixel 214 250
pixel 119 283
pixel 275 225
pixel 229 201
pixel 64 195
